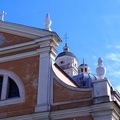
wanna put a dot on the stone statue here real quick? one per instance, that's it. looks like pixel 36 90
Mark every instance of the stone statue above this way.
pixel 100 70
pixel 48 22
pixel 3 15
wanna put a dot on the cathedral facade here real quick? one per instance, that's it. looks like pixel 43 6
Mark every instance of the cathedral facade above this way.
pixel 36 83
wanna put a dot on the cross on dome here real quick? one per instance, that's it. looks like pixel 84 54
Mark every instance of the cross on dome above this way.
pixel 66 38
pixel 65 48
pixel 83 61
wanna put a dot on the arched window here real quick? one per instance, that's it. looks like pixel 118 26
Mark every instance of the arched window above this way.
pixel 11 88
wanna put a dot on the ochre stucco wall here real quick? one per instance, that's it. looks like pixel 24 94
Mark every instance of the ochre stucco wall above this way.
pixel 65 98
pixel 62 94
pixel 27 70
pixel 11 39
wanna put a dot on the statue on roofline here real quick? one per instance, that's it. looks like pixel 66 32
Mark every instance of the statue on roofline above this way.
pixel 3 15
pixel 47 22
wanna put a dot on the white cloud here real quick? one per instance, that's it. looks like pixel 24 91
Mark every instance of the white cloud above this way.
pixel 114 57
pixel 115 73
pixel 116 46
pixel 113 64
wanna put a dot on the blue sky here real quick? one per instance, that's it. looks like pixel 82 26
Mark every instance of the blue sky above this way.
pixel 93 27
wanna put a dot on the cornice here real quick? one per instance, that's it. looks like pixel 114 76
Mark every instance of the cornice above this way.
pixel 74 112
pixel 26 31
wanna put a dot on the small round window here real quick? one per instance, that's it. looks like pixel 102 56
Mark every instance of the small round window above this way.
pixel 61 62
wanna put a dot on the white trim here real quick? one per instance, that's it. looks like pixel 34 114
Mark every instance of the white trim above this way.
pixel 4 87
pixel 54 77
pixel 105 111
pixel 23 30
pixel 72 101
pixel 47 56
pixel 34 116
pixel 11 101
pixel 94 110
pixel 71 87
pixel 26 31
pixel 20 85
pixel 18 56
pixel 29 54
pixel 26 43
pixel 16 46
pixel 43 95
pixel 68 113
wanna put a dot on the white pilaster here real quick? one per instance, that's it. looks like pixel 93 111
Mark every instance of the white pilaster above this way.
pixel 47 57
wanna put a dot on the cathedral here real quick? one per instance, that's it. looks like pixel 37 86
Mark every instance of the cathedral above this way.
pixel 37 83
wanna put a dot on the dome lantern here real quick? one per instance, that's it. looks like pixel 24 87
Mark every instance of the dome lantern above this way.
pixel 83 68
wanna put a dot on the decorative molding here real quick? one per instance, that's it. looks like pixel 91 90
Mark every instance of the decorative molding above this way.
pixel 95 110
pixel 74 112
pixel 18 56
pixel 26 43
pixel 3 39
pixel 26 31
pixel 72 101
pixel 57 78
pixel 20 85
pixel 34 116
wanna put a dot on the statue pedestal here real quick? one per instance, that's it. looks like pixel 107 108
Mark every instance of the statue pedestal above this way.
pixel 102 91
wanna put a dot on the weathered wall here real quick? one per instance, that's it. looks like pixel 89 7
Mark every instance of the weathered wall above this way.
pixel 65 98
pixel 79 118
pixel 62 94
pixel 11 39
pixel 27 70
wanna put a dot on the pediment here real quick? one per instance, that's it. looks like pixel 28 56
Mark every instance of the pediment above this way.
pixel 11 33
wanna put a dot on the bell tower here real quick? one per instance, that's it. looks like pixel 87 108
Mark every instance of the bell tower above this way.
pixel 83 68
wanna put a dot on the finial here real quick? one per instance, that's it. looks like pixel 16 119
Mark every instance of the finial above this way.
pixel 100 70
pixel 3 15
pixel 100 61
pixel 48 22
pixel 65 37
pixel 83 61
pixel 65 48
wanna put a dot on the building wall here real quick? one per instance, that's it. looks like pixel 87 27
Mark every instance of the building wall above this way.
pixel 79 118
pixel 27 70
pixel 66 94
pixel 12 39
pixel 66 98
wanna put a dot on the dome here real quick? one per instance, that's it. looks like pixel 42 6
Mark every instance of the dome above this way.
pixel 67 61
pixel 83 65
pixel 66 54
pixel 84 80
